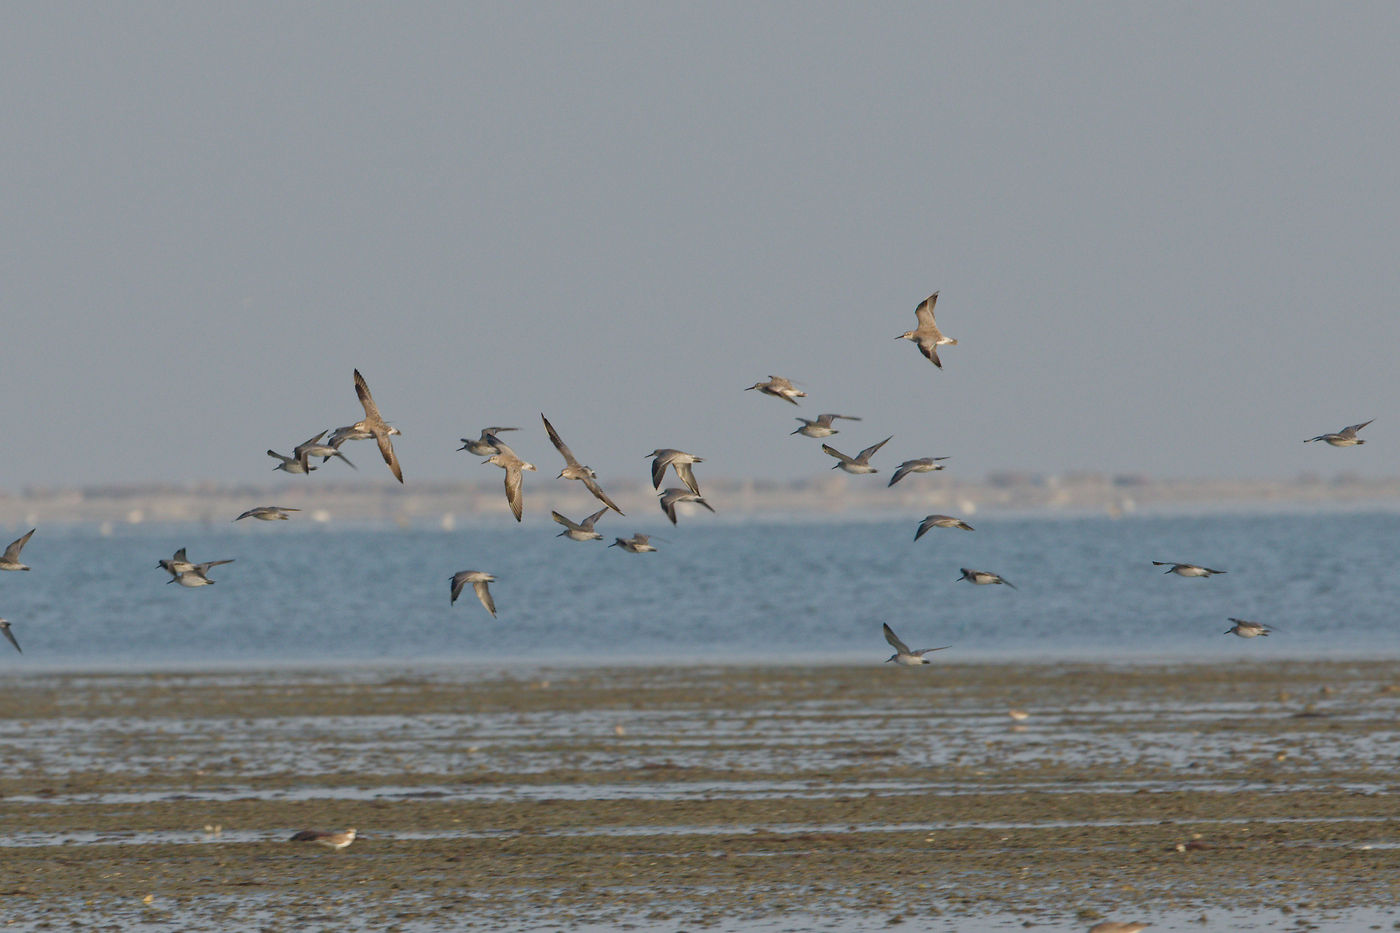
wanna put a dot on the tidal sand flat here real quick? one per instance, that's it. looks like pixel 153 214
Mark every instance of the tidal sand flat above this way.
pixel 743 798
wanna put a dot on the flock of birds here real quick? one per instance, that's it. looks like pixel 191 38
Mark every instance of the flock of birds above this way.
pixel 926 336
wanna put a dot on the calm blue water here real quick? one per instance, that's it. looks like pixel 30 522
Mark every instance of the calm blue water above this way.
pixel 758 590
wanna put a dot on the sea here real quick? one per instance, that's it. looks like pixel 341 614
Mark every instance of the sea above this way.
pixel 719 589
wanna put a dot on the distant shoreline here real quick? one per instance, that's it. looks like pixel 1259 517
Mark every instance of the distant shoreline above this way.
pixel 444 504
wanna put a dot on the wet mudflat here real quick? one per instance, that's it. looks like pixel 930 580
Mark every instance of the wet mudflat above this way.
pixel 844 798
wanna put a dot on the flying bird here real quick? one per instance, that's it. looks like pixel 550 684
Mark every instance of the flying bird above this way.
pixel 290 464
pixel 678 460
pixel 10 559
pixel 1346 437
pixel 821 425
pixel 982 577
pixel 267 513
pixel 9 635
pixel 580 531
pixel 672 495
pixel 314 448
pixel 575 470
pixel 375 426
pixel 637 544
pixel 902 654
pixel 860 463
pixel 1186 570
pixel 1246 629
pixel 927 337
pixel 922 465
pixel 508 460
pixel 778 387
pixel 478 579
pixel 483 446
pixel 187 574
pixel 940 521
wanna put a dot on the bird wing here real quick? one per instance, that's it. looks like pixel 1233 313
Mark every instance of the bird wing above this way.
pixel 12 552
pixel 929 348
pixel 924 526
pixel 832 451
pixel 668 505
pixel 893 639
pixel 658 472
pixel 597 490
pixel 899 474
pixel 1351 429
pixel 865 455
pixel 587 523
pixel 923 651
pixel 362 390
pixel 513 493
pixel 558 443
pixel 386 447
pixel 310 442
pixel 924 312
pixel 5 627
pixel 565 522
pixel 687 474
pixel 246 514
pixel 459 580
pixel 483 593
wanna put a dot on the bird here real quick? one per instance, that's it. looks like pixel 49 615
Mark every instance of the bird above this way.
pixel 580 531
pixel 637 544
pixel 927 337
pixel 268 513
pixel 336 841
pixel 1119 926
pixel 1246 629
pixel 478 579
pixel 314 448
pixel 778 387
pixel 9 635
pixel 508 460
pixel 922 465
pixel 483 446
pixel 187 574
pixel 10 559
pixel 940 521
pixel 678 460
pixel 372 425
pixel 860 463
pixel 199 576
pixel 982 577
pixel 575 470
pixel 290 464
pixel 821 425
pixel 902 654
pixel 1346 437
pixel 1186 570
pixel 672 495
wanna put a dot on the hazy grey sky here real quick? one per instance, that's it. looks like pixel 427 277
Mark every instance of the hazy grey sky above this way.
pixel 1166 235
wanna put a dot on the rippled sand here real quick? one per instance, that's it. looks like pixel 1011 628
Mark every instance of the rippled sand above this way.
pixel 704 797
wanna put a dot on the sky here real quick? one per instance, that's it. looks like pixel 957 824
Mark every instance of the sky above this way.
pixel 1165 235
